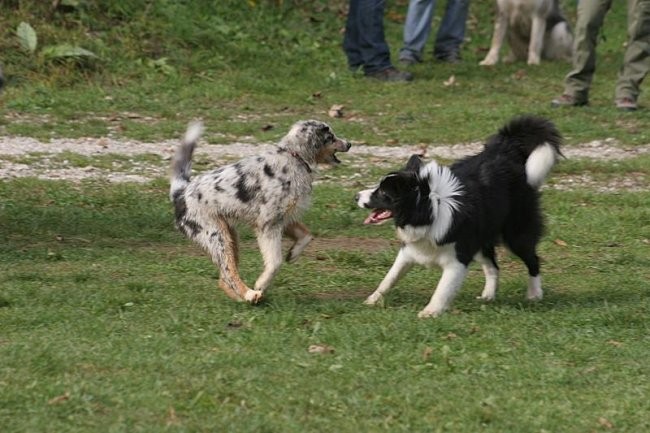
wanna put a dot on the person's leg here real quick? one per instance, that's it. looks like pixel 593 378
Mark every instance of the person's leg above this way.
pixel 451 32
pixel 416 29
pixel 351 37
pixel 372 41
pixel 591 14
pixel 637 55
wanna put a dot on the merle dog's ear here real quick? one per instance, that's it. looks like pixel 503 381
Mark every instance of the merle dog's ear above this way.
pixel 414 163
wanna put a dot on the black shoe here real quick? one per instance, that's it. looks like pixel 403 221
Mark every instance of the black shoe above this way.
pixel 408 61
pixel 453 57
pixel 390 74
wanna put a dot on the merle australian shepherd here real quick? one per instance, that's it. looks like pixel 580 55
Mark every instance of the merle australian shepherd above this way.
pixel 269 191
pixel 452 215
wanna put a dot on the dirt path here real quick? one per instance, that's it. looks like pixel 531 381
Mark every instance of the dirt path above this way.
pixel 24 156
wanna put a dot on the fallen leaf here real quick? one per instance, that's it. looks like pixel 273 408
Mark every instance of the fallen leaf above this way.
pixel 451 81
pixel 427 352
pixel 605 422
pixel 392 141
pixel 336 111
pixel 234 324
pixel 450 336
pixel 615 343
pixel 59 238
pixel 172 419
pixel 316 95
pixel 560 242
pixel 59 399
pixel 521 73
pixel 267 127
pixel 320 348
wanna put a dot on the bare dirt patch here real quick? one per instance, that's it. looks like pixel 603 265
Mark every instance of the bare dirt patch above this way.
pixel 360 157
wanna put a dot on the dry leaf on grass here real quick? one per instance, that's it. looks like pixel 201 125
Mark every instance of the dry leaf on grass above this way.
pixel 172 419
pixel 59 399
pixel 320 348
pixel 605 422
pixel 427 352
pixel 521 73
pixel 451 81
pixel 615 343
pixel 336 111
pixel 560 242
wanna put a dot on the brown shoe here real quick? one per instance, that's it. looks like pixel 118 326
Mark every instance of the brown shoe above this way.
pixel 568 101
pixel 391 74
pixel 626 104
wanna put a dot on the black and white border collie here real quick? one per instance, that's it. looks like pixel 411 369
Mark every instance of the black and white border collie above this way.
pixel 452 215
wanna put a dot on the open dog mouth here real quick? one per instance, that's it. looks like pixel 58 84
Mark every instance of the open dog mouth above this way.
pixel 341 146
pixel 378 216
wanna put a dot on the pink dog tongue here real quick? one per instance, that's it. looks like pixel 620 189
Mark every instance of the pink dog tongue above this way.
pixel 378 216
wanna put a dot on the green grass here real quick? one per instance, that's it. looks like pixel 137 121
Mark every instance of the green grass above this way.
pixel 244 65
pixel 111 321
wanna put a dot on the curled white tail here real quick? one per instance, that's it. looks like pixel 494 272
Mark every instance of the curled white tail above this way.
pixel 539 164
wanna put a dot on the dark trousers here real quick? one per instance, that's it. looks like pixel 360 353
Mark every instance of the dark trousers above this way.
pixel 364 42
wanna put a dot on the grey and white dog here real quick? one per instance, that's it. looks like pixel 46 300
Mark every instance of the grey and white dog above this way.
pixel 535 29
pixel 269 191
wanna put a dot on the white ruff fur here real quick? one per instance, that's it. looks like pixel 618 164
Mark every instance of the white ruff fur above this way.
pixel 539 164
pixel 444 187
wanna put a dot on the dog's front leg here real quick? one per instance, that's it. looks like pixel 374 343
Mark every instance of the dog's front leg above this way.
pixel 299 233
pixel 536 40
pixel 453 275
pixel 270 243
pixel 500 29
pixel 402 265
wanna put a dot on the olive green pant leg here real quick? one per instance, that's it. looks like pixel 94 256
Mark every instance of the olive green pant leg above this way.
pixel 636 62
pixel 591 14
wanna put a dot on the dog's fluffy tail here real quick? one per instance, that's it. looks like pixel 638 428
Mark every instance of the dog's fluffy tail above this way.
pixel 531 141
pixel 182 160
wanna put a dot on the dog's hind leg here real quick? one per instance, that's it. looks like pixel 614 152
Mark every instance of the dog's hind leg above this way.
pixel 221 244
pixel 491 270
pixel 299 233
pixel 524 248
pixel 402 265
pixel 270 243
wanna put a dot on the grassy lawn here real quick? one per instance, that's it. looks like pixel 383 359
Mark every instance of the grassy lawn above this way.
pixel 111 321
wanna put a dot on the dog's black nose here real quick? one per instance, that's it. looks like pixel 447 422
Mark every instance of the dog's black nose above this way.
pixel 348 145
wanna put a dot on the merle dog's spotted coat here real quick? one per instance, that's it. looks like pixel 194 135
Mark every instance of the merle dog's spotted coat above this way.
pixel 270 192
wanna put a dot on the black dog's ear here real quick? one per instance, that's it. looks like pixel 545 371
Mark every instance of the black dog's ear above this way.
pixel 414 163
pixel 398 184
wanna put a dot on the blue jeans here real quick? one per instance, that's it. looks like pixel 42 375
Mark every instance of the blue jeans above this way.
pixel 418 26
pixel 364 42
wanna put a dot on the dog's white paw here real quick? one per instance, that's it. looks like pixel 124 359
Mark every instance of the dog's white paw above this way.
pixel 533 61
pixel 486 297
pixel 534 295
pixel 297 248
pixel 426 313
pixel 373 299
pixel 534 292
pixel 489 61
pixel 253 296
